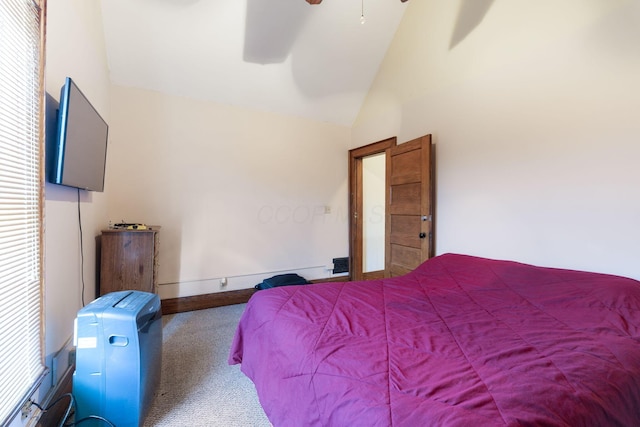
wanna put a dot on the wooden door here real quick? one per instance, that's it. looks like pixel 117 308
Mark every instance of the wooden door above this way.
pixel 409 212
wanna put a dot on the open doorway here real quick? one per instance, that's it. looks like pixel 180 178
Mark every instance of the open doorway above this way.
pixel 373 212
pixel 367 207
pixel 391 207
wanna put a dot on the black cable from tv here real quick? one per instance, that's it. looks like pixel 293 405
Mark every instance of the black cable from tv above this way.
pixel 81 249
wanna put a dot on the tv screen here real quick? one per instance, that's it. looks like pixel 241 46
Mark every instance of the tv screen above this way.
pixel 80 152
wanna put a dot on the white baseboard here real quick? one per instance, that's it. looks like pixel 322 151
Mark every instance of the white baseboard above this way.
pixel 235 283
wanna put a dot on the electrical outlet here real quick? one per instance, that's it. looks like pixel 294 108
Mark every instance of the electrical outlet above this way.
pixel 26 410
pixel 72 357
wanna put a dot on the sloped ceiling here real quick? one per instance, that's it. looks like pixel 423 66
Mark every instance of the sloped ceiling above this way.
pixel 284 56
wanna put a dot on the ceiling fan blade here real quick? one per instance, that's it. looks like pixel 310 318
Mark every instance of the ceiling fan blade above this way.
pixel 320 1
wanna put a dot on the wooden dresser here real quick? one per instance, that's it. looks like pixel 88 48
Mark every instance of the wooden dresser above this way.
pixel 128 260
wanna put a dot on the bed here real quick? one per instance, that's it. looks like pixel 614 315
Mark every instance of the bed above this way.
pixel 460 341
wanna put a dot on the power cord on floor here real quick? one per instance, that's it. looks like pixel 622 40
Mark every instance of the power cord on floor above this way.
pixel 67 414
pixel 93 417
pixel 55 402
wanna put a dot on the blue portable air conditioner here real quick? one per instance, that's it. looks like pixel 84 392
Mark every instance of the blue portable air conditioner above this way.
pixel 118 339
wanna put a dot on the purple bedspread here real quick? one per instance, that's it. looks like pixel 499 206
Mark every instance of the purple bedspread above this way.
pixel 460 341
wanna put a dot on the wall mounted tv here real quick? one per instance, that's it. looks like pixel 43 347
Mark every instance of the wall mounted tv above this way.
pixel 79 153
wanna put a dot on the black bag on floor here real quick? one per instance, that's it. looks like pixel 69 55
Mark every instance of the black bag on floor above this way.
pixel 282 280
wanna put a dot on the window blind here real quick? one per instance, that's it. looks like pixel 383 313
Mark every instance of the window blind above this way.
pixel 21 317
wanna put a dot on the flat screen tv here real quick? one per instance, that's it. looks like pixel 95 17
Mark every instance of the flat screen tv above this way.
pixel 80 150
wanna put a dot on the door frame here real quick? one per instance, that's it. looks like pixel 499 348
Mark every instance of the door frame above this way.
pixel 356 156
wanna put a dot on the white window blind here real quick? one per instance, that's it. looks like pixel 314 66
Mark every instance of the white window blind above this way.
pixel 21 317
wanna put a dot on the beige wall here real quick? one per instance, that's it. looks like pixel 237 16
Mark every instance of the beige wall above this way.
pixel 75 48
pixel 238 193
pixel 534 111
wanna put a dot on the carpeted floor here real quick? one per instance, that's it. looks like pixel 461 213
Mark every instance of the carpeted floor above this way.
pixel 198 387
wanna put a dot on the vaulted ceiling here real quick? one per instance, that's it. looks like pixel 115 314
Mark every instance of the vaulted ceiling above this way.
pixel 284 56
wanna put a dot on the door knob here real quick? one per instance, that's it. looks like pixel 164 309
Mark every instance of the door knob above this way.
pixel 422 235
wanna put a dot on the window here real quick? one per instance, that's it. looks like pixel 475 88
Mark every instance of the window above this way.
pixel 21 184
